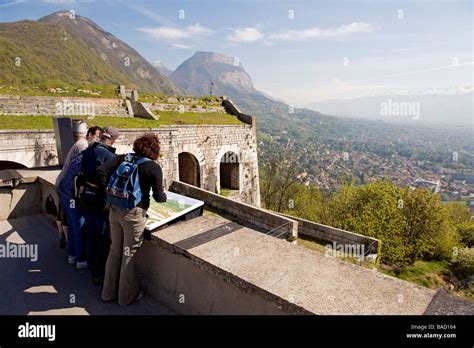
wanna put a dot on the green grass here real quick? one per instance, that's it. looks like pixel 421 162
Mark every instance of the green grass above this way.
pixel 224 192
pixel 311 244
pixel 68 90
pixel 175 117
pixel 166 118
pixel 184 100
pixel 428 274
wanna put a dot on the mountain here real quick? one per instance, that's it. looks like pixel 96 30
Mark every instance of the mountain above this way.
pixel 162 68
pixel 229 78
pixel 113 52
pixel 49 57
pixel 196 74
pixel 59 49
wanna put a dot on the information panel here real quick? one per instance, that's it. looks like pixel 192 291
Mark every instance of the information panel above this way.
pixel 175 206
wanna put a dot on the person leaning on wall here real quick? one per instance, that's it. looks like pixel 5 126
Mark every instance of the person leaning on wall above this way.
pixel 127 226
pixel 91 201
pixel 82 138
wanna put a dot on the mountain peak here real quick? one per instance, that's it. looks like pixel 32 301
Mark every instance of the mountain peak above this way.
pixel 214 57
pixel 113 51
pixel 216 73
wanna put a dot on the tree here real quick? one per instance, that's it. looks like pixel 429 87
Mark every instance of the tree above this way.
pixel 429 229
pixel 279 176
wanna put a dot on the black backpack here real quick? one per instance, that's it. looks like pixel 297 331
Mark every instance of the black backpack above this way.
pixel 89 195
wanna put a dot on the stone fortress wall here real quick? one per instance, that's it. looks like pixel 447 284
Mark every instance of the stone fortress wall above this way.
pixel 50 106
pixel 212 157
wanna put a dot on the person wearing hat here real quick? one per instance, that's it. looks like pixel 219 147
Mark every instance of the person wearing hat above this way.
pixel 68 221
pixel 91 199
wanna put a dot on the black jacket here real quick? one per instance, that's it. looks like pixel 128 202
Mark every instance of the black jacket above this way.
pixel 91 197
pixel 150 175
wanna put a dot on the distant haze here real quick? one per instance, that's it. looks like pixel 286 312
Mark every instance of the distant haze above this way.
pixel 455 109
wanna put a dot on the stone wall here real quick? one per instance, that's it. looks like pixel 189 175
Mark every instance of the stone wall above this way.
pixel 207 143
pixel 328 234
pixel 183 107
pixel 272 224
pixel 31 148
pixel 63 106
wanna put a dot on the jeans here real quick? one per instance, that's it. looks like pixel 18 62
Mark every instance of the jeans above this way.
pixel 98 241
pixel 76 241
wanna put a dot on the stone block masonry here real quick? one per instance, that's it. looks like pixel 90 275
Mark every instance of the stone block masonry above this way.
pixel 264 219
pixel 61 106
pixel 204 145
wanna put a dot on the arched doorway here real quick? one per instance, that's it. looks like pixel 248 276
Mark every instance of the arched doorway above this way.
pixel 189 169
pixel 11 165
pixel 229 171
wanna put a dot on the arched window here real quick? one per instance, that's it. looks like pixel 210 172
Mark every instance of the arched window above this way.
pixel 229 171
pixel 189 169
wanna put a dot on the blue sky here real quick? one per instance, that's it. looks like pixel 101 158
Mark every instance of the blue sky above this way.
pixel 322 50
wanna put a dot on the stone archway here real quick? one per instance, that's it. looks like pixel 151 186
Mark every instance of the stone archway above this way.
pixel 188 169
pixel 11 165
pixel 229 171
pixel 198 155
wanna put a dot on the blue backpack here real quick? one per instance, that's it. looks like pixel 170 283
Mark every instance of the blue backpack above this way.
pixel 124 190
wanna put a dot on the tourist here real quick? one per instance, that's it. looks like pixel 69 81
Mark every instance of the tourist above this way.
pixel 75 217
pixel 127 226
pixel 91 200
pixel 82 138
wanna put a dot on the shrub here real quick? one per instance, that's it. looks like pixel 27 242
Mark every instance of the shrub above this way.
pixel 463 263
pixel 466 233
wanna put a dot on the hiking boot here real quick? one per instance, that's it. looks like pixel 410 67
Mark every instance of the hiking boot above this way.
pixel 81 264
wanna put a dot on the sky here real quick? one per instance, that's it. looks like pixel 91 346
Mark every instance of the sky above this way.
pixel 302 52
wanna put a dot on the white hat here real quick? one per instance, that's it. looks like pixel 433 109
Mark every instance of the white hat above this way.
pixel 79 128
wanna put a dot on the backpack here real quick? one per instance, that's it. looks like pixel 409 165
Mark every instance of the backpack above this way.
pixel 123 189
pixel 90 196
pixel 50 206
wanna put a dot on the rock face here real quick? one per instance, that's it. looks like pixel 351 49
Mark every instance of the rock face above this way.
pixel 162 68
pixel 113 51
pixel 196 74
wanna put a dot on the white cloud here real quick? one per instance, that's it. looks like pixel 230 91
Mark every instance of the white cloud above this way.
pixel 150 14
pixel 457 65
pixel 15 2
pixel 245 35
pixel 168 33
pixel 316 33
pixel 181 46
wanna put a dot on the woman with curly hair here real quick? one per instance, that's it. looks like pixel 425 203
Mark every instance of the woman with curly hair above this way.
pixel 127 226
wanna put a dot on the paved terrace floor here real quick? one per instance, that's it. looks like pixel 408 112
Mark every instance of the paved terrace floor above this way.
pixel 50 285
